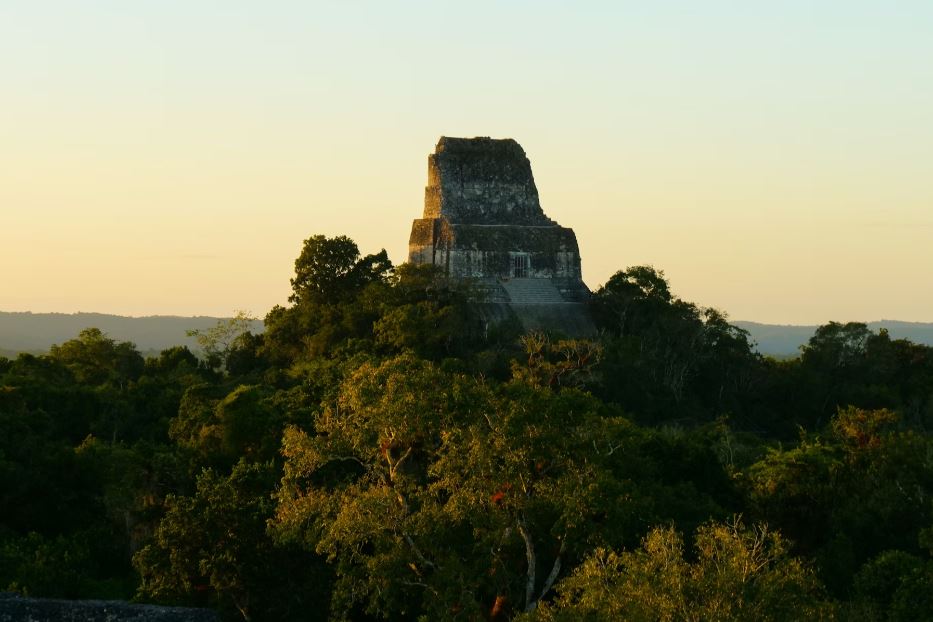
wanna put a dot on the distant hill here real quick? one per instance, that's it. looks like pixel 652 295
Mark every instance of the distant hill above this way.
pixel 36 332
pixel 783 341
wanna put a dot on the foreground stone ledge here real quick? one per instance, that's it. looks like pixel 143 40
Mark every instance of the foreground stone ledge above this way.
pixel 16 608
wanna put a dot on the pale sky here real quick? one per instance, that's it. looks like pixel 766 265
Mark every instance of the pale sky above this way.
pixel 775 159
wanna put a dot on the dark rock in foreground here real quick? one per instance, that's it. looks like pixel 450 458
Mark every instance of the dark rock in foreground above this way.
pixel 16 608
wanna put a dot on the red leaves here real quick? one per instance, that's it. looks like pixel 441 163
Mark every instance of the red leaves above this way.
pixel 498 607
pixel 499 495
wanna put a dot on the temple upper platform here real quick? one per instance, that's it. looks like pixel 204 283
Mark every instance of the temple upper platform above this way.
pixel 483 220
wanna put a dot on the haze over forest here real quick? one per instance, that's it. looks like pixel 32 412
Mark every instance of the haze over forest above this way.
pixel 36 332
pixel 772 159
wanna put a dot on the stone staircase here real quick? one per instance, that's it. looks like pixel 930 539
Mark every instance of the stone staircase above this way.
pixel 532 291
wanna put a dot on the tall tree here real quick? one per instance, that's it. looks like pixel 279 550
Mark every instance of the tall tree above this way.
pixel 433 493
pixel 330 269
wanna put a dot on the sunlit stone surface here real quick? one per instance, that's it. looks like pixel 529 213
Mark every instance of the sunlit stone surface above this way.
pixel 483 221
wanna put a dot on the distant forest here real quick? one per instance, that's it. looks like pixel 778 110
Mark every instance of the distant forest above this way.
pixel 37 332
pixel 377 453
pixel 786 340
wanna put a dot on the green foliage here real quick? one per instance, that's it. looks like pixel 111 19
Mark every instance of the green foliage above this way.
pixel 227 337
pixel 331 269
pixel 327 318
pixel 739 574
pixel 566 363
pixel 71 501
pixel 468 498
pixel 368 307
pixel 96 360
pixel 212 548
pixel 63 566
pixel 380 453
pixel 846 364
pixel 880 579
pixel 848 496
pixel 894 586
pixel 221 428
pixel 668 359
pixel 390 470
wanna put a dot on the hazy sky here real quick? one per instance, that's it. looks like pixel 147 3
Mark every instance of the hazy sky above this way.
pixel 775 159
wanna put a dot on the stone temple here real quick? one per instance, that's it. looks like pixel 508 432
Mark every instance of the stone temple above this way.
pixel 483 221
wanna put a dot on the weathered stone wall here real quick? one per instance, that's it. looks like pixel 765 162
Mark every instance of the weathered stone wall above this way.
pixel 481 208
pixel 483 220
pixel 423 240
pixel 482 181
pixel 479 251
pixel 471 263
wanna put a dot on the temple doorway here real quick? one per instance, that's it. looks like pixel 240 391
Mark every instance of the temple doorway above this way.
pixel 521 265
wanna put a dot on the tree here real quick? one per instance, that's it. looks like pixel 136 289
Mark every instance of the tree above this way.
pixel 326 319
pixel 666 358
pixel 837 345
pixel 109 370
pixel 629 296
pixel 96 360
pixel 421 310
pixel 220 427
pixel 218 341
pixel 847 495
pixel 739 574
pixel 434 494
pixel 212 548
pixel 565 363
pixel 330 269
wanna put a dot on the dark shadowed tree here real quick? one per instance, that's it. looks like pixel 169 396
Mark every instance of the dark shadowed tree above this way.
pixel 330 269
pixel 212 548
